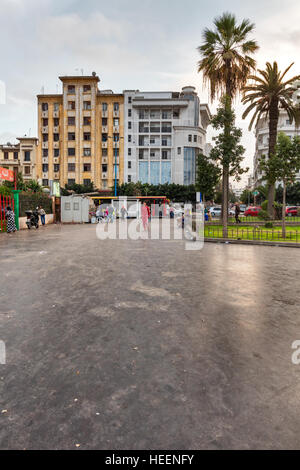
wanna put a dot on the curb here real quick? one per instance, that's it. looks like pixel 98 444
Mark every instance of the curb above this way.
pixel 252 242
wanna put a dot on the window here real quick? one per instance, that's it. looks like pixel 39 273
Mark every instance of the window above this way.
pixel 71 121
pixel 45 153
pixel 116 121
pixel 129 151
pixel 56 107
pixel 86 88
pixel 104 152
pixel 178 150
pixel 116 137
pixel 129 138
pixel 104 137
pixel 45 137
pixel 86 182
pixel 71 136
pixel 166 127
pixel 45 182
pixel 129 112
pixel 164 142
pixel 56 137
pixel 129 99
pixel 164 155
pixel 56 152
pixel 104 107
pixel 45 167
pixel 104 122
pixel 86 136
pixel 116 107
pixel 195 138
pixel 86 167
pixel 104 184
pixel 166 115
pixel 288 122
pixel 56 122
pixel 87 152
pixel 56 168
pixel 71 152
pixel 129 165
pixel 44 106
pixel 104 168
pixel 26 170
pixel 129 178
pixel 70 183
pixel 71 105
pixel 190 138
pixel 67 204
pixel 45 122
pixel 16 155
pixel 71 89
pixel 129 125
pixel 86 121
pixel 71 167
pixel 5 155
pixel 86 105
pixel 27 156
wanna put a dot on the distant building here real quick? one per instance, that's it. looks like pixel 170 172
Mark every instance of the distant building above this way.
pixel 21 156
pixel 80 134
pixel 163 134
pixel 262 136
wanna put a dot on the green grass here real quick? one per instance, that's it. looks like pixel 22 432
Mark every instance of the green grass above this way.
pixel 249 233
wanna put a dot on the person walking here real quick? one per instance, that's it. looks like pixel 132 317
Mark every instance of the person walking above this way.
pixel 237 213
pixel 42 215
pixel 110 214
pixel 10 220
pixel 124 212
pixel 145 216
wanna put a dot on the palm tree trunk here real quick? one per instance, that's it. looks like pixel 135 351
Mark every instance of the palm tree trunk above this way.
pixel 284 210
pixel 273 130
pixel 225 179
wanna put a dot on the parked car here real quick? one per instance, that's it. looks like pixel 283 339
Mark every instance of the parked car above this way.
pixel 252 211
pixel 291 211
pixel 215 211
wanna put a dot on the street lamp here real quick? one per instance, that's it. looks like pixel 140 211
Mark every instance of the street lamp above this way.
pixel 110 137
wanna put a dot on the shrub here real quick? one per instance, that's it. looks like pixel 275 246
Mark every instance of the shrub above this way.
pixel 31 200
pixel 5 190
pixel 263 215
pixel 268 225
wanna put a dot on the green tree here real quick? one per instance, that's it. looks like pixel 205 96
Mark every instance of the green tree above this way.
pixel 227 152
pixel 283 166
pixel 208 176
pixel 266 95
pixel 226 64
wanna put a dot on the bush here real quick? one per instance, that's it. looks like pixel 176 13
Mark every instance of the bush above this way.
pixel 263 215
pixel 277 210
pixel 5 190
pixel 268 225
pixel 31 200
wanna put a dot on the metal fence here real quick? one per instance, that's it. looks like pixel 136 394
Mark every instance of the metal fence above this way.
pixel 5 201
pixel 253 234
pixel 251 219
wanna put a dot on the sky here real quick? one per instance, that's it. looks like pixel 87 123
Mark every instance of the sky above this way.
pixel 130 44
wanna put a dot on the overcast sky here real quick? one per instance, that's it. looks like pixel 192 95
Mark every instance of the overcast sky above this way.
pixel 131 44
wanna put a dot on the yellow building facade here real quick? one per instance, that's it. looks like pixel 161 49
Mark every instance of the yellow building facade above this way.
pixel 81 134
pixel 21 157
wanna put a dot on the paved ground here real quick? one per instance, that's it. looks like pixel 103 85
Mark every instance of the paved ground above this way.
pixel 143 345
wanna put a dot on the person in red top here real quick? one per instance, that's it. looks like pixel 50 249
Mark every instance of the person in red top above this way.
pixel 145 215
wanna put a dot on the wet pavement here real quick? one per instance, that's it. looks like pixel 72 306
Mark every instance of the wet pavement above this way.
pixel 143 345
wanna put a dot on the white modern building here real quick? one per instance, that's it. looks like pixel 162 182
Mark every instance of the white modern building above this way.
pixel 163 134
pixel 262 136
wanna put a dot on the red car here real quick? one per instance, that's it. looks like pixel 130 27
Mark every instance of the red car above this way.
pixel 252 211
pixel 291 211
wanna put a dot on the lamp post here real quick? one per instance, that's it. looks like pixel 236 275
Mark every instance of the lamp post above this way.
pixel 115 164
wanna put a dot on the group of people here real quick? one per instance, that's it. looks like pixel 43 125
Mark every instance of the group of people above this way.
pixel 10 218
pixel 105 215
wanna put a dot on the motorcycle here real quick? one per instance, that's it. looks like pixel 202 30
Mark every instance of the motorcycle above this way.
pixel 32 219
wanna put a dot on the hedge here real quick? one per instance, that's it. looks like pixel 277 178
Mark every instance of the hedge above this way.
pixel 31 200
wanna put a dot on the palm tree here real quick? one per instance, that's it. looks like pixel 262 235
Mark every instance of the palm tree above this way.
pixel 226 63
pixel 267 94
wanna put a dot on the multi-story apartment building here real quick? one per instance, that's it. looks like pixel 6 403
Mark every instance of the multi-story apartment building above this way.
pixel 20 157
pixel 81 134
pixel 164 132
pixel 262 136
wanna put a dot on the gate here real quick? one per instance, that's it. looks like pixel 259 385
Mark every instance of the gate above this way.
pixel 4 202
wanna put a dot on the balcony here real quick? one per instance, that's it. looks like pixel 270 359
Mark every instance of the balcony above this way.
pixel 105 114
pixel 56 114
pixel 116 129
pixel 104 176
pixel 56 175
pixel 45 129
pixel 104 160
pixel 104 145
pixel 104 129
pixel 56 145
pixel 44 114
pixel 45 145
pixel 45 159
pixel 116 114
pixel 56 130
